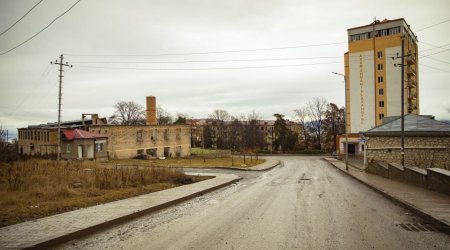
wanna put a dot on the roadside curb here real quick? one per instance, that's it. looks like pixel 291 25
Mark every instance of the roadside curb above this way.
pixel 254 168
pixel 51 241
pixel 440 224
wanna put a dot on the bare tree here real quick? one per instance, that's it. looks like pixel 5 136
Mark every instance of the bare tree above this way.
pixel 302 114
pixel 253 116
pixel 316 110
pixel 128 113
pixel 220 115
pixel 163 116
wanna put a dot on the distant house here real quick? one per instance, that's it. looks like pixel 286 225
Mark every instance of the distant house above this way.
pixel 427 141
pixel 83 145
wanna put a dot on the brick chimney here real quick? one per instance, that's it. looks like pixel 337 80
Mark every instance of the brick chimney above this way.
pixel 151 110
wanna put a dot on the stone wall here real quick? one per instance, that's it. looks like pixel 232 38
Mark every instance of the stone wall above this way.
pixel 128 141
pixel 423 152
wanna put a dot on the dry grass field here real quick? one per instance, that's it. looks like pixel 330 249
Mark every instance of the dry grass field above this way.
pixel 37 188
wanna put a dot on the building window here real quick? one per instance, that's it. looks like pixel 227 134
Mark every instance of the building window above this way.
pixel 380 66
pixel 381 104
pixel 139 136
pixel 178 134
pixel 99 147
pixel 68 148
pixel 380 79
pixel 381 91
pixel 166 134
pixel 153 136
pixel 380 54
pixel 380 116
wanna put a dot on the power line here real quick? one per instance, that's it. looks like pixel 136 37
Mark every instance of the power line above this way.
pixel 437 60
pixel 207 52
pixel 48 25
pixel 436 24
pixel 435 53
pixel 20 18
pixel 40 79
pixel 213 61
pixel 443 70
pixel 199 69
pixel 434 46
pixel 219 61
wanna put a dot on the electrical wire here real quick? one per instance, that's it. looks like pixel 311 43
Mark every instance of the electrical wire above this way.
pixel 199 69
pixel 21 18
pixel 436 24
pixel 220 61
pixel 33 36
pixel 427 66
pixel 206 52
pixel 40 79
pixel 437 60
pixel 213 61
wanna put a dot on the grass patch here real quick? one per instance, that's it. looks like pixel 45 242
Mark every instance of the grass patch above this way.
pixel 192 162
pixel 203 151
pixel 37 188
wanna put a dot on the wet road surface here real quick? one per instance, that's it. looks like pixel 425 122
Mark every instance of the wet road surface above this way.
pixel 303 204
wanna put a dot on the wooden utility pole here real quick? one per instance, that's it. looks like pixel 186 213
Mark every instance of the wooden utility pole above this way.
pixel 61 64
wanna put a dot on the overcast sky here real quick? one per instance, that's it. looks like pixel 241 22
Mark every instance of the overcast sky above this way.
pixel 118 48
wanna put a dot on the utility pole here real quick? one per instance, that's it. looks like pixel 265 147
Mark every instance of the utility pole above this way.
pixel 402 139
pixel 402 86
pixel 61 64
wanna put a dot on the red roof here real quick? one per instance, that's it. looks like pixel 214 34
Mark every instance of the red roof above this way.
pixel 80 134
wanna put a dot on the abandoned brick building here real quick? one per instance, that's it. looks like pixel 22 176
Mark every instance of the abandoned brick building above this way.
pixel 117 141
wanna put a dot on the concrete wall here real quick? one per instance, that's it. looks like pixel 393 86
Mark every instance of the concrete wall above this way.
pixel 128 141
pixel 435 179
pixel 416 176
pixel 439 180
pixel 423 152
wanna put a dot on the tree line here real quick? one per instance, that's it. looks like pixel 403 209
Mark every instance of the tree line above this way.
pixel 318 124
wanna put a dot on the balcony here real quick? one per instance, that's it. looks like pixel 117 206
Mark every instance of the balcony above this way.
pixel 411 58
pixel 411 71
pixel 411 107
pixel 411 82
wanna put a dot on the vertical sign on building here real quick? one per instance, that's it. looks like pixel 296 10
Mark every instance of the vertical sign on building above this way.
pixel 361 84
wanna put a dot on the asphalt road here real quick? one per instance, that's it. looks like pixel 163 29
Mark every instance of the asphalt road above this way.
pixel 303 204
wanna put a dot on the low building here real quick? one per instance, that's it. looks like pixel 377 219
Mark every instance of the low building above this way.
pixel 83 145
pixel 426 141
pixel 128 141
pixel 42 139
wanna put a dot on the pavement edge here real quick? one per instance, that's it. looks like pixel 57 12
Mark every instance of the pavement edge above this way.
pixel 438 223
pixel 85 231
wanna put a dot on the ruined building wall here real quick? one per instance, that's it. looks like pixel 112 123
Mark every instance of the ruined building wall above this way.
pixel 128 141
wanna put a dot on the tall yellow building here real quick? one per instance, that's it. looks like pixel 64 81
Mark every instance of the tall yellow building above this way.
pixel 373 70
pixel 373 75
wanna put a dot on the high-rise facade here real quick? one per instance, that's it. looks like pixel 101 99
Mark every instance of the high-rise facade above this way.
pixel 373 70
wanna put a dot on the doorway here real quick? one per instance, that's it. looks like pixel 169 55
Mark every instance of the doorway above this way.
pixel 80 152
pixel 351 149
